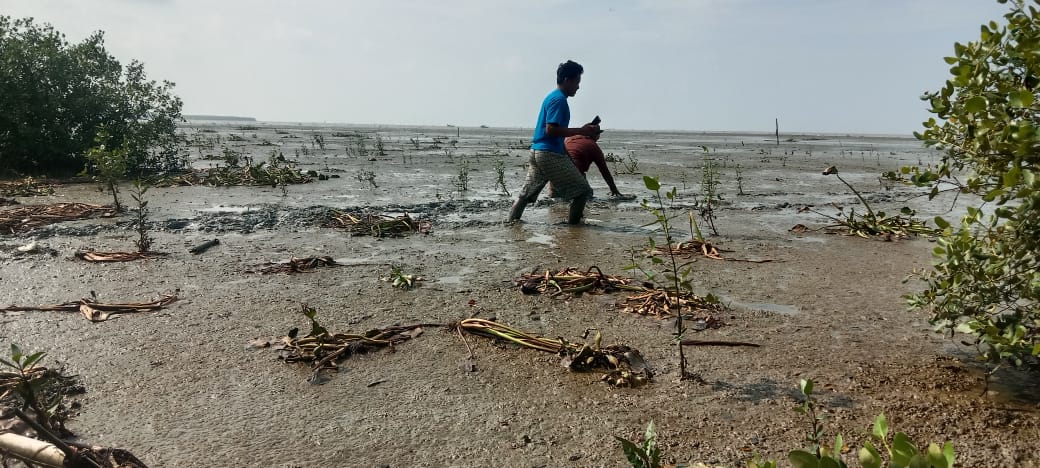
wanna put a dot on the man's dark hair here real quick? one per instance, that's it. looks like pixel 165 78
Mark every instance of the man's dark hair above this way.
pixel 568 69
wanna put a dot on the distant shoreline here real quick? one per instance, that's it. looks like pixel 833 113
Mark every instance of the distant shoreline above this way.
pixel 800 136
pixel 232 118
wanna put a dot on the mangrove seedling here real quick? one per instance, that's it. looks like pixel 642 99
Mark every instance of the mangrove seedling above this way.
pixel 461 180
pixel 646 456
pixel 140 222
pixel 710 192
pixel 674 273
pixel 367 176
pixel 500 173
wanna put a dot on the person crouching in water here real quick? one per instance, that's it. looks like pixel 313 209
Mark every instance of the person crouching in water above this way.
pixel 549 161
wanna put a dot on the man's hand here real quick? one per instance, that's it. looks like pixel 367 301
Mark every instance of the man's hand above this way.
pixel 590 130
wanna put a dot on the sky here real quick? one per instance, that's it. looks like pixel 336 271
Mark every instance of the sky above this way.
pixel 819 66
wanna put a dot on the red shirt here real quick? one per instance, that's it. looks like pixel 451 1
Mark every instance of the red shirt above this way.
pixel 584 151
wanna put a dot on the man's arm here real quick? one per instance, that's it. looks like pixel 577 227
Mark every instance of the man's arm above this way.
pixel 557 131
pixel 601 164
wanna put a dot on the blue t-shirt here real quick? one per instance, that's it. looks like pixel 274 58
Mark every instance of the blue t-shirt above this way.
pixel 555 111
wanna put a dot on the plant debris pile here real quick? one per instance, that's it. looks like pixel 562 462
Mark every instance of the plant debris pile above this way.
pixel 624 366
pixel 692 248
pixel 573 281
pixel 660 303
pixel 96 311
pixel 27 187
pixel 26 218
pixel 377 225
pixel 324 351
pixel 872 223
pixel 299 265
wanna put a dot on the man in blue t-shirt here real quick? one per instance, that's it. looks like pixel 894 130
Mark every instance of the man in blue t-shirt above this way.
pixel 549 160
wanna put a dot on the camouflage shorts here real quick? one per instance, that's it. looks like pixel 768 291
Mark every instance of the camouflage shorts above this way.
pixel 546 166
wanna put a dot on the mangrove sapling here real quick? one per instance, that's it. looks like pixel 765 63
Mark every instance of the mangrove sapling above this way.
pixel 900 451
pixel 380 149
pixel 500 176
pixel 740 180
pixel 677 275
pixel 710 192
pixel 461 180
pixel 34 387
pixel 399 279
pixel 140 221
pixel 367 176
pixel 646 456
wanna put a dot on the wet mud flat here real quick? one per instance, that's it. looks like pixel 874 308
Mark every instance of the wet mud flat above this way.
pixel 183 387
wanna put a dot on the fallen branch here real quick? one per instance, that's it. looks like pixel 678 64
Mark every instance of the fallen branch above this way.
pixel 96 311
pixel 99 257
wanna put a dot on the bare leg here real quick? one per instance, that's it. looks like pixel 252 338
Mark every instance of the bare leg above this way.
pixel 517 210
pixel 577 210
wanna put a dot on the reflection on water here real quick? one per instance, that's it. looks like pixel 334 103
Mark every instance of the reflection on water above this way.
pixel 543 239
pixel 781 309
pixel 225 209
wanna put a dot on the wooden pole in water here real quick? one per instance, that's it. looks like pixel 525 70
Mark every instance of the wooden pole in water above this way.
pixel 777 131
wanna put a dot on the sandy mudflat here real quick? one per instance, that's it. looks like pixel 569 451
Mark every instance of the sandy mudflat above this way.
pixel 181 387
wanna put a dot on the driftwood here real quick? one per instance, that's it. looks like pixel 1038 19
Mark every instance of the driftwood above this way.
pixel 203 246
